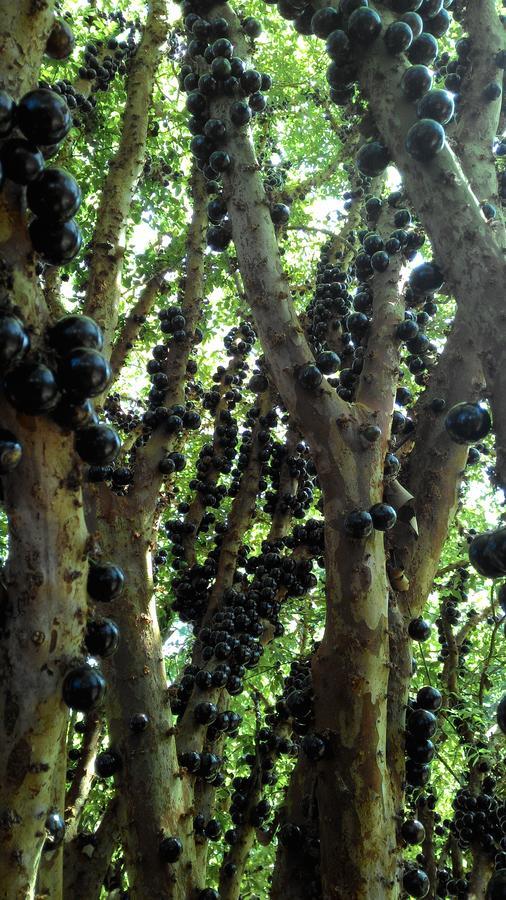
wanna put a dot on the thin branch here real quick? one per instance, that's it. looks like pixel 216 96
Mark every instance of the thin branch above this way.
pixel 83 873
pixel 83 776
pixel 52 292
pixel 147 479
pixel 134 321
pixel 104 284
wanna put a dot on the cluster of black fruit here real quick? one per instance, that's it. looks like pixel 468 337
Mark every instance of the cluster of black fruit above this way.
pixel 84 685
pixel 479 821
pixel 301 469
pixel 76 371
pixel 102 70
pixel 339 320
pixel 226 76
pixel 421 724
pixel 452 595
pixel 43 118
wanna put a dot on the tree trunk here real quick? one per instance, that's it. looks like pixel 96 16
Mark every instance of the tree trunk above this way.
pixel 45 597
pixel 137 683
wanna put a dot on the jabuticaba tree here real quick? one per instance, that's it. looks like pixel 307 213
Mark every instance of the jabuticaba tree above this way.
pixel 252 450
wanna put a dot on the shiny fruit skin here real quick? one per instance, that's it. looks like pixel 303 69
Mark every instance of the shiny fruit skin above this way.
pixel 43 116
pixel 75 331
pixel 467 423
pixel 31 388
pixel 83 688
pixel 105 582
pixel 97 445
pixel 54 196
pixel 57 245
pixel 84 373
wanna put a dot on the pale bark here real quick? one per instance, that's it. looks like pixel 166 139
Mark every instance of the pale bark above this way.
pixel 108 243
pixel 44 589
pixel 137 683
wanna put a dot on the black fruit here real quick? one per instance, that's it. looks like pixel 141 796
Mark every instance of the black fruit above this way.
pixel 403 396
pixel 398 37
pixel 31 388
pixel 392 466
pixel 170 849
pixel 419 629
pixel 280 213
pixel 240 113
pixel 205 713
pixel 416 883
pixel 60 42
pixel 423 50
pixel 467 423
pixel 7 113
pixel 372 159
pixel 105 582
pixel 11 452
pixel 84 373
pixel 325 21
pixel 429 698
pixel 107 764
pixel 338 46
pixel 415 22
pixel 416 81
pixel 417 775
pixel 55 196
pixel 425 139
pixel 290 836
pixel 328 362
pixel 421 724
pixel 139 722
pixel 44 117
pixel 407 330
pixel 383 516
pixel 57 245
pixel 97 445
pixel 496 888
pixel 310 377
pixel 380 261
pixel 102 637
pixel 419 751
pixel 412 831
pixel 21 161
pixel 55 830
pixel 83 688
pixel 14 341
pixel 487 553
pixel 364 26
pixel 426 278
pixel 75 331
pixel 73 416
pixel 437 105
pixel 358 524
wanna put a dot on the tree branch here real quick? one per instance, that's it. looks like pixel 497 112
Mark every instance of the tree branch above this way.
pixel 84 874
pixel 133 323
pixel 83 776
pixel 104 284
pixel 147 479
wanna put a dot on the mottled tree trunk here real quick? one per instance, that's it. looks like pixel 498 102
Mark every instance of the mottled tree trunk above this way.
pixel 43 614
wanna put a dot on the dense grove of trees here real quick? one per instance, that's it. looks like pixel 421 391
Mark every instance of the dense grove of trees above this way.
pixel 252 450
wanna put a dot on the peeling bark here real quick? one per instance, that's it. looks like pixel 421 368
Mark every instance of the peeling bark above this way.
pixel 44 590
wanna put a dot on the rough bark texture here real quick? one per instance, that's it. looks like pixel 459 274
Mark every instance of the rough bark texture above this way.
pixel 44 593
pixel 84 872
